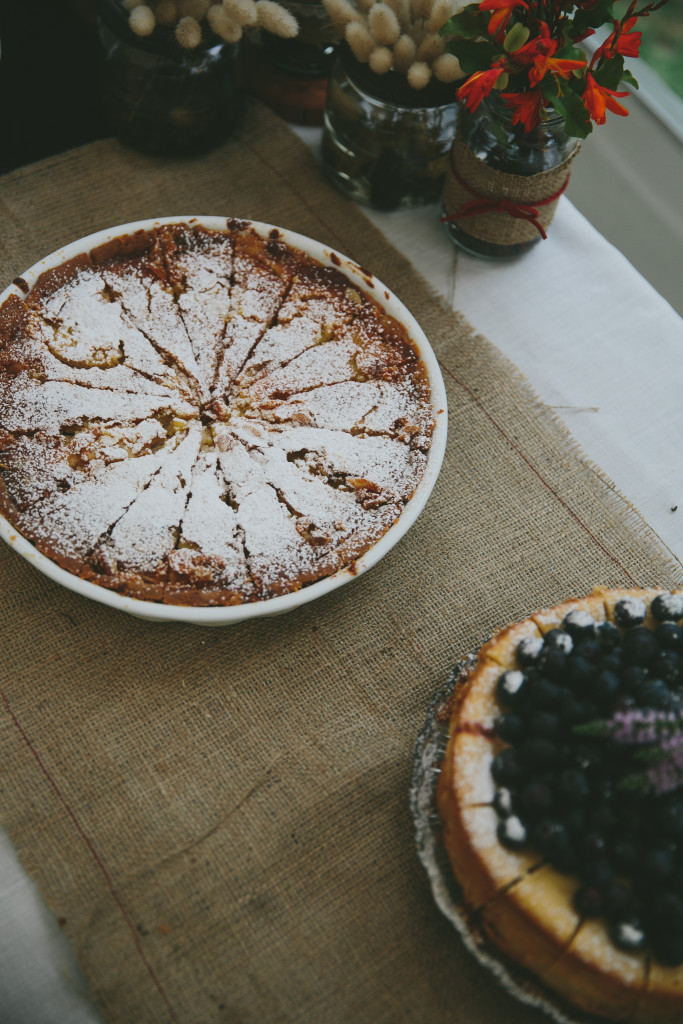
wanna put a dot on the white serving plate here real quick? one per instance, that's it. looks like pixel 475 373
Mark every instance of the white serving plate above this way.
pixel 219 616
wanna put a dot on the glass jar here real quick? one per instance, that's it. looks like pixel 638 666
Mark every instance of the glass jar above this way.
pixel 290 75
pixel 162 98
pixel 504 183
pixel 384 143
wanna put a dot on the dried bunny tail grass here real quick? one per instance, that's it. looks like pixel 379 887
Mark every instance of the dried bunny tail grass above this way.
pixel 359 39
pixel 243 12
pixel 342 12
pixel 274 18
pixel 441 12
pixel 431 47
pixel 365 5
pixel 419 74
pixel 417 31
pixel 447 68
pixel 166 12
pixel 405 52
pixel 223 25
pixel 188 32
pixel 383 24
pixel 421 8
pixel 193 8
pixel 381 60
pixel 142 20
pixel 401 9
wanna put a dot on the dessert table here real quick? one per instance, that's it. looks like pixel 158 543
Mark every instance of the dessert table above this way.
pixel 604 353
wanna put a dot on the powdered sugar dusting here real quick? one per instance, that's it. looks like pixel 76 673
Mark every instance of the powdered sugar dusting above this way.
pixel 206 415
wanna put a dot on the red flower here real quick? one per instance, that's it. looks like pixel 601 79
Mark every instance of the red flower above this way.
pixel 539 53
pixel 526 107
pixel 478 86
pixel 622 41
pixel 599 98
pixel 502 10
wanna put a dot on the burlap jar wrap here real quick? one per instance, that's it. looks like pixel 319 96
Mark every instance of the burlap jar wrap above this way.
pixel 527 202
pixel 219 818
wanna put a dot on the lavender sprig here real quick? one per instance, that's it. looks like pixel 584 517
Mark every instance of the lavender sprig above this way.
pixel 659 737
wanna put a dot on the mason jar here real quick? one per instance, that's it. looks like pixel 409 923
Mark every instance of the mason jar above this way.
pixel 384 143
pixel 161 97
pixel 503 182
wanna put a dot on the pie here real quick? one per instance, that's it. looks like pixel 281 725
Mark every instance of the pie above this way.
pixel 206 417
pixel 561 802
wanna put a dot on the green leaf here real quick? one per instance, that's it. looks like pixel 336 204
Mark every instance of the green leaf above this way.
pixel 571 107
pixel 469 23
pixel 610 72
pixel 628 77
pixel 595 728
pixel 473 56
pixel 593 18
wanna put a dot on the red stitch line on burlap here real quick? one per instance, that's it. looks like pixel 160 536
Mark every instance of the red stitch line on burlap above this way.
pixel 531 466
pixel 95 855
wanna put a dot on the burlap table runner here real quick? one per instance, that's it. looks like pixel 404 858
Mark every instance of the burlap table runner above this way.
pixel 219 818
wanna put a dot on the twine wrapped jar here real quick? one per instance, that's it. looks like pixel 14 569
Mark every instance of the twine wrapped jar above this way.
pixel 503 183
pixel 386 144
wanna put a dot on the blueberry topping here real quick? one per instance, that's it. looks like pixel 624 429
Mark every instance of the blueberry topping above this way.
pixel 560 774
pixel 529 650
pixel 667 607
pixel 630 611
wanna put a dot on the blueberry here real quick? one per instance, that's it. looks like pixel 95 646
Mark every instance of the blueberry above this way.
pixel 503 801
pixel 579 623
pixel 506 767
pixel 598 872
pixel 670 635
pixel 618 900
pixel 510 688
pixel 654 693
pixel 670 818
pixel 630 611
pixel 603 818
pixel 574 820
pixel 605 686
pixel 538 752
pixel 665 913
pixel 607 635
pixel 543 723
pixel 611 662
pixel 536 799
pixel 628 935
pixel 588 901
pixel 623 702
pixel 588 755
pixel 512 832
pixel 554 662
pixel 551 837
pixel 658 864
pixel 633 675
pixel 640 646
pixel 558 640
pixel 510 727
pixel 580 673
pixel 667 666
pixel 529 650
pixel 573 786
pixel 592 845
pixel 625 854
pixel 543 694
pixel 667 950
pixel 667 607
pixel 588 648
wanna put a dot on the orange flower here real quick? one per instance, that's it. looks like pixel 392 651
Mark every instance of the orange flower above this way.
pixel 526 107
pixel 622 41
pixel 599 98
pixel 478 86
pixel 502 10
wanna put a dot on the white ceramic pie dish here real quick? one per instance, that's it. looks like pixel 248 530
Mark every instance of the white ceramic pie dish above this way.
pixel 218 616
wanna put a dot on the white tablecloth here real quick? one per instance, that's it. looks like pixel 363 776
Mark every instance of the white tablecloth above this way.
pixel 598 344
